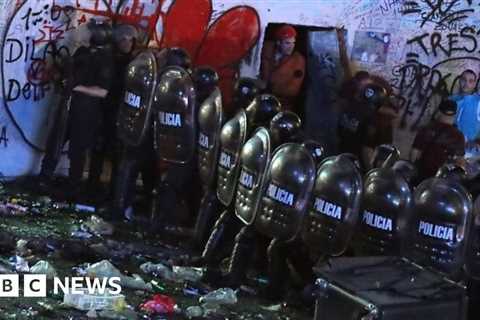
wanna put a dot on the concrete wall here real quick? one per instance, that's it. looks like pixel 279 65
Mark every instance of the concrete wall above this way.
pixel 420 48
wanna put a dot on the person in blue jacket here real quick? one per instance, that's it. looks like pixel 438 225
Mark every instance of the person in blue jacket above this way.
pixel 468 115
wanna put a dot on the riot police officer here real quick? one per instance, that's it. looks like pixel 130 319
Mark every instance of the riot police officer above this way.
pixel 233 135
pixel 245 90
pixel 211 118
pixel 124 41
pixel 91 78
pixel 135 126
pixel 254 159
pixel 180 181
pixel 357 127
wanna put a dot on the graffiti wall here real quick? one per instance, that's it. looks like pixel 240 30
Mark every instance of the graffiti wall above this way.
pixel 419 46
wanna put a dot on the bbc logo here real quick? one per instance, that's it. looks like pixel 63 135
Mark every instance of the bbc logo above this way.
pixel 34 285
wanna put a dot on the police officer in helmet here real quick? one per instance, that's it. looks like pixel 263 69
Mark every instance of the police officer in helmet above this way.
pixel 90 83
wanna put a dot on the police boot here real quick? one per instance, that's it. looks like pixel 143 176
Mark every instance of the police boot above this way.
pixel 241 257
pixel 215 246
pixel 123 189
pixel 212 247
pixel 164 205
pixel 205 219
pixel 277 270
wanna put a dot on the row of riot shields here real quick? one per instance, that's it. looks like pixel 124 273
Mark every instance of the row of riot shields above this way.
pixel 162 98
pixel 279 189
pixel 285 195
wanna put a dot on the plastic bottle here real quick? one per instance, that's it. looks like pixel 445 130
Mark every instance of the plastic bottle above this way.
pixel 220 296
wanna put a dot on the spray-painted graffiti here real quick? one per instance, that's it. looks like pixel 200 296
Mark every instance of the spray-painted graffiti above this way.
pixel 440 12
pixel 3 137
pixel 464 42
pixel 41 33
pixel 435 55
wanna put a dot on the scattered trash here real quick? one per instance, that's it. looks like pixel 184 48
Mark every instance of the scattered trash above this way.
pixel 12 209
pixel 99 226
pixel 46 310
pixel 20 264
pixel 273 308
pixel 21 249
pixel 248 290
pixel 44 200
pixel 193 290
pixel 188 273
pixel 220 296
pixel 85 301
pixel 43 267
pixel 157 287
pixel 261 280
pixel 159 304
pixel 91 314
pixel 83 208
pixel 61 205
pixel 159 270
pixel 125 314
pixel 28 239
pixel 4 270
pixel 105 268
pixel 194 312
pixel 81 232
pixel 27 313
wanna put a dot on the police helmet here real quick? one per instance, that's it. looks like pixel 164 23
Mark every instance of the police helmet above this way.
pixel 100 33
pixel 245 90
pixel 205 79
pixel 284 126
pixel 176 56
pixel 262 109
pixel 316 150
pixel 452 171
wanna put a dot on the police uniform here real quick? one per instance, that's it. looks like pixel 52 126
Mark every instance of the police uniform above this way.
pixel 107 142
pixel 92 67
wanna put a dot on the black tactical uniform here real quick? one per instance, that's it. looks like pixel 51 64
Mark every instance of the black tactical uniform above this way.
pixel 140 155
pixel 90 67
pixel 93 67
pixel 107 143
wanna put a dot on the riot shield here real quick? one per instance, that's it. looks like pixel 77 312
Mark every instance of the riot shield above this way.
pixel 438 230
pixel 386 206
pixel 254 158
pixel 285 192
pixel 334 207
pixel 210 120
pixel 175 115
pixel 135 111
pixel 232 138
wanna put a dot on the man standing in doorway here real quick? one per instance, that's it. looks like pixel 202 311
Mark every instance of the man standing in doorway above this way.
pixel 283 68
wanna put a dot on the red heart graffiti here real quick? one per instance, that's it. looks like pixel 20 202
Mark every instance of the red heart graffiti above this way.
pixel 222 45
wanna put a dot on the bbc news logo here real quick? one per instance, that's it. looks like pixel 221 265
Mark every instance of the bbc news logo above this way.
pixel 35 285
